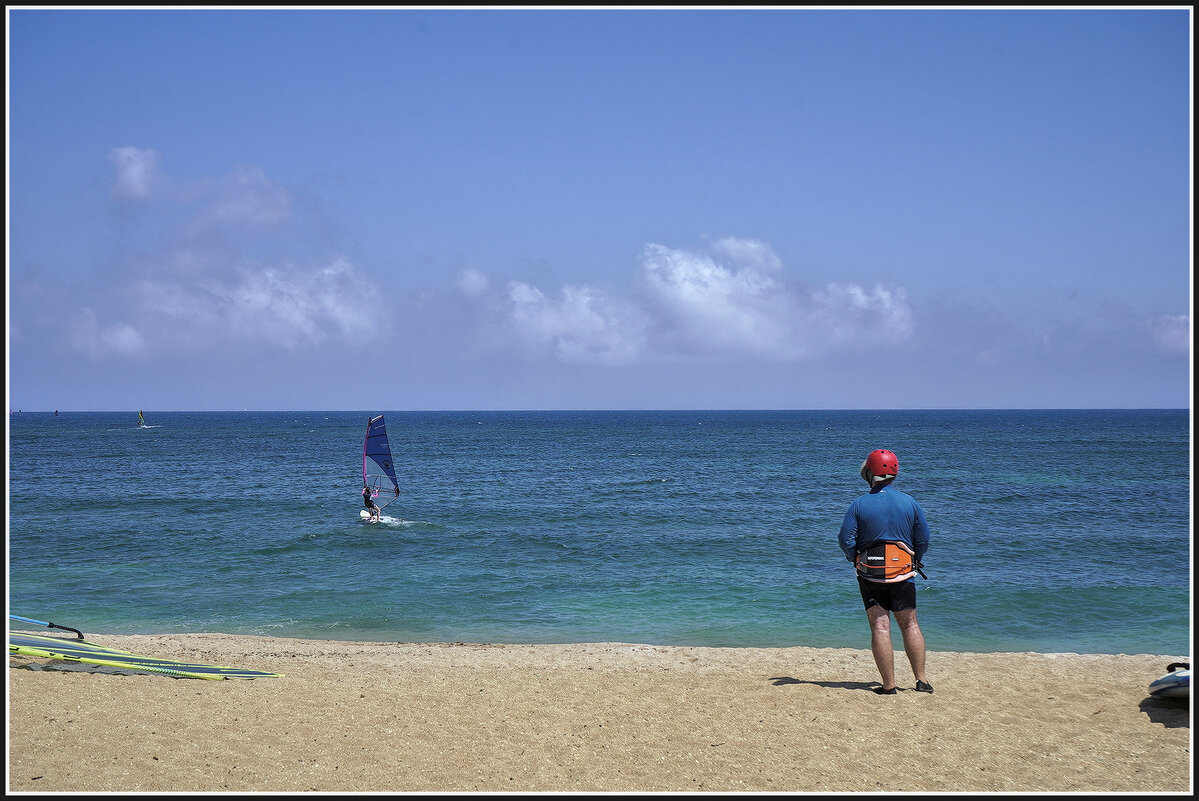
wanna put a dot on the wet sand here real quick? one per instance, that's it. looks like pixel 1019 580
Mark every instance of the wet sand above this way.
pixel 411 717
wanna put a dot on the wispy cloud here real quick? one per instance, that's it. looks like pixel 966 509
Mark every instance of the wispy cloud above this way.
pixel 229 267
pixel 1172 333
pixel 731 299
pixel 848 315
pixel 300 307
pixel 472 282
pixel 720 306
pixel 96 340
pixel 246 197
pixel 283 307
pixel 137 172
pixel 583 325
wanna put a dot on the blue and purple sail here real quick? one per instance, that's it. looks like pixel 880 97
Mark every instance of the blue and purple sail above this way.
pixel 378 472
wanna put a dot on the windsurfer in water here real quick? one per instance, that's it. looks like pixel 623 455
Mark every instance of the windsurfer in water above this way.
pixel 370 505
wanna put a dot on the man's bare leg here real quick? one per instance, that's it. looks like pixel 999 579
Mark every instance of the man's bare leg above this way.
pixel 880 644
pixel 913 642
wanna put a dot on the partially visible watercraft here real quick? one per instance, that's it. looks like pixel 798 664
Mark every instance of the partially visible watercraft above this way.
pixel 1175 684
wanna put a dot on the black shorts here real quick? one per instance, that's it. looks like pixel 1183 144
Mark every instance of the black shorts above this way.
pixel 893 597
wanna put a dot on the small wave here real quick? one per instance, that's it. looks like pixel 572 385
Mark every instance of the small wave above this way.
pixel 641 482
pixel 392 522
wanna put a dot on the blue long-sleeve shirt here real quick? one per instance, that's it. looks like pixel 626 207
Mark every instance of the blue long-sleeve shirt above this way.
pixel 884 514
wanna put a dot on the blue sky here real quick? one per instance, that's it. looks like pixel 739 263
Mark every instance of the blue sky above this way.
pixel 659 208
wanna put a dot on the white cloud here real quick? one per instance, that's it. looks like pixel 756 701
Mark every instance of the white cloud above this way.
pixel 137 171
pixel 247 196
pixel 472 282
pixel 1173 333
pixel 729 301
pixel 748 252
pixel 291 308
pixel 88 336
pixel 848 314
pixel 718 306
pixel 222 270
pixel 584 326
pixel 237 266
pixel 284 307
pixel 734 300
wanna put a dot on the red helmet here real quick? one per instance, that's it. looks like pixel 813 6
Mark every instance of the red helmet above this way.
pixel 880 463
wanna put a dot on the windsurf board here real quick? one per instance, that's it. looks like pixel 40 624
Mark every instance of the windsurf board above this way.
pixel 91 653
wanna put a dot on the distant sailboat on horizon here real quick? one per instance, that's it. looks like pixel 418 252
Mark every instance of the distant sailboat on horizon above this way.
pixel 141 421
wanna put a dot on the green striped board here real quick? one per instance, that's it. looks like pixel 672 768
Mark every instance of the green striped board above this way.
pixel 91 653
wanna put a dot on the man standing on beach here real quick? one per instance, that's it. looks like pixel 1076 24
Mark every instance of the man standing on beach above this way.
pixel 885 535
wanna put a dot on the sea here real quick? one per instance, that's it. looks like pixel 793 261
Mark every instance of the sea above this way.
pixel 1052 530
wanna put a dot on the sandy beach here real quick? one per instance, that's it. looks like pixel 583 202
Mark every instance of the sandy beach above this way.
pixel 409 717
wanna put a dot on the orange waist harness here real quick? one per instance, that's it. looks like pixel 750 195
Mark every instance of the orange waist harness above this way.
pixel 887 562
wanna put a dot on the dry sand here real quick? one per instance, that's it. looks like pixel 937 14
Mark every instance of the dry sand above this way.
pixel 612 717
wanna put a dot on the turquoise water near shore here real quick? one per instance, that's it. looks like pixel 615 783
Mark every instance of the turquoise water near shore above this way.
pixel 1052 530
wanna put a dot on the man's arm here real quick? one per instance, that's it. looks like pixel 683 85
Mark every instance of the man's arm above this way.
pixel 848 538
pixel 920 535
